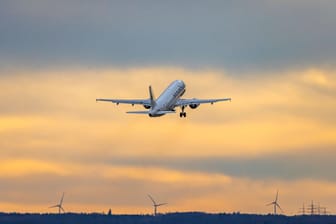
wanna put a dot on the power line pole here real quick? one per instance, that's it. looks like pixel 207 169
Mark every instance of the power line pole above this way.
pixel 302 210
pixel 312 209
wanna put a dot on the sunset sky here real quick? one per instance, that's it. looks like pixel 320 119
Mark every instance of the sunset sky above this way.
pixel 275 59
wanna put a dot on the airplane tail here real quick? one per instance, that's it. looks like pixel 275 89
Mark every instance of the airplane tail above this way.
pixel 152 102
pixel 151 96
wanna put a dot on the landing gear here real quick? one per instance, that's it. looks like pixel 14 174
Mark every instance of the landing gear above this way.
pixel 183 114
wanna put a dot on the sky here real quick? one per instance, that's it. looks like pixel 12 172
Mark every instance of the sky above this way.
pixel 275 59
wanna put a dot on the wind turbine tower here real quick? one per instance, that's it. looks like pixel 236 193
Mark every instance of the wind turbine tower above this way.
pixel 275 204
pixel 155 205
pixel 59 206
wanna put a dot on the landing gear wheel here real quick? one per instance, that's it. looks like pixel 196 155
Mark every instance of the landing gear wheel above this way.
pixel 183 114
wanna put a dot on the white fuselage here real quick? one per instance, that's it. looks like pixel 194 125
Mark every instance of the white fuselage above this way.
pixel 168 98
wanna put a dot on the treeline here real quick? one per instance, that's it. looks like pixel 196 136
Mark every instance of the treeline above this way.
pixel 171 218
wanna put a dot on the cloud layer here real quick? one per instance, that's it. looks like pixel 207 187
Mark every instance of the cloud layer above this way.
pixel 277 133
pixel 224 34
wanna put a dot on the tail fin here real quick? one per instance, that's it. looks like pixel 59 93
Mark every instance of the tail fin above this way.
pixel 151 96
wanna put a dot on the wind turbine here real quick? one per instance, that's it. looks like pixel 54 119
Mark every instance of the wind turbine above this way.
pixel 59 206
pixel 155 205
pixel 275 204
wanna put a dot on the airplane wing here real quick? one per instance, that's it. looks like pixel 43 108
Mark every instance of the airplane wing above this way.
pixel 145 102
pixel 185 102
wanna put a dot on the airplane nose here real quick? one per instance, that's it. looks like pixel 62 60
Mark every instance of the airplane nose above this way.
pixel 181 82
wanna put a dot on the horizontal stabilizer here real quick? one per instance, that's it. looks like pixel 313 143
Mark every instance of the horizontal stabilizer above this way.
pixel 148 112
pixel 166 112
pixel 138 112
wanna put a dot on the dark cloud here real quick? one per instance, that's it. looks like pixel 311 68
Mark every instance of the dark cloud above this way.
pixel 231 34
pixel 315 164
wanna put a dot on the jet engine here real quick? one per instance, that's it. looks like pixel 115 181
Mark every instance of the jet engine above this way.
pixel 194 105
pixel 147 106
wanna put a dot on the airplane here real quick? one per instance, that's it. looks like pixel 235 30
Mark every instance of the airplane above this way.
pixel 166 102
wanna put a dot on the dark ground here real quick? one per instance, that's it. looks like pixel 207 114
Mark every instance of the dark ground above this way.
pixel 171 218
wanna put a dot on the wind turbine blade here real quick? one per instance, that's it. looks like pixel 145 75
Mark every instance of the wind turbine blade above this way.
pixel 270 204
pixel 54 206
pixel 61 202
pixel 279 207
pixel 62 209
pixel 161 204
pixel 150 197
pixel 276 198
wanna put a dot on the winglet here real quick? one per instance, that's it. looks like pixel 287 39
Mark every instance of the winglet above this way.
pixel 151 96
